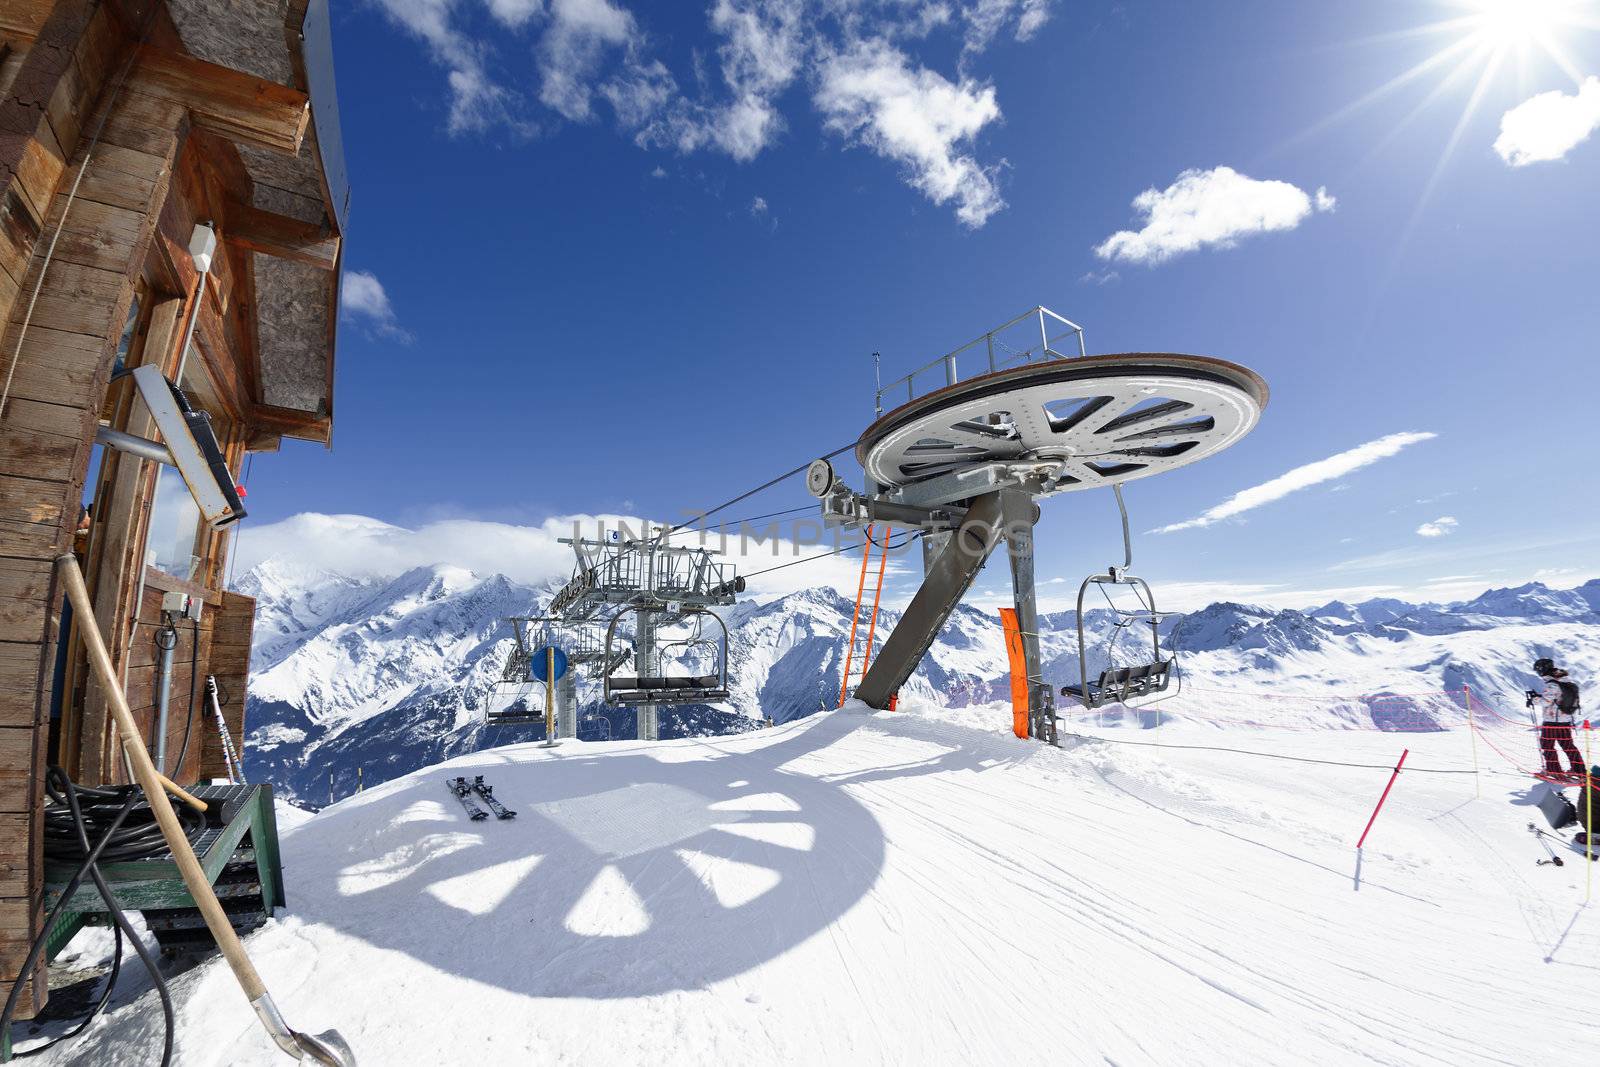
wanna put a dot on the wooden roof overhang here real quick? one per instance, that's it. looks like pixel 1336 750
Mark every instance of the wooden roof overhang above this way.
pixel 259 75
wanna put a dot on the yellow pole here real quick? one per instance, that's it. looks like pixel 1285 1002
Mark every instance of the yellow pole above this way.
pixel 549 694
pixel 1472 728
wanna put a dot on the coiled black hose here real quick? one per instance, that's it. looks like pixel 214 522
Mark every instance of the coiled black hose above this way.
pixel 62 789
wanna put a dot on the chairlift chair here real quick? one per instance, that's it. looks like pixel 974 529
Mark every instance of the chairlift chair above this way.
pixel 511 699
pixel 1123 685
pixel 659 687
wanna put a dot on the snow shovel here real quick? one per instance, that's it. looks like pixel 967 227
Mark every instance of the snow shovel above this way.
pixel 326 1048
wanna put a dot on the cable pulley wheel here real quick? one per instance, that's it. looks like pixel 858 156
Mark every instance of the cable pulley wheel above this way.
pixel 1072 424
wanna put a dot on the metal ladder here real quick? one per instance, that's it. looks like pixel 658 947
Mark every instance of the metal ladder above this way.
pixel 849 676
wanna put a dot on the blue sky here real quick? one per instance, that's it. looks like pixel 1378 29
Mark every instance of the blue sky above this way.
pixel 635 259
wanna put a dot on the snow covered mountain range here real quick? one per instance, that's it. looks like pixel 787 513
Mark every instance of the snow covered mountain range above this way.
pixel 387 675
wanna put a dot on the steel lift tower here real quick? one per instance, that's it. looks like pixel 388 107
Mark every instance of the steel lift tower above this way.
pixel 966 460
pixel 658 583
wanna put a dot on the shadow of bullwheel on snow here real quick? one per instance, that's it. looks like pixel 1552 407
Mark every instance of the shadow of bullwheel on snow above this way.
pixel 625 874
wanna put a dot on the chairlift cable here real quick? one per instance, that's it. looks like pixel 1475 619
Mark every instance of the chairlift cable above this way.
pixel 838 551
pixel 747 495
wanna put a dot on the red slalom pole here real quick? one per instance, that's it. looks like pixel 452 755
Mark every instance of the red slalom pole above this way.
pixel 1392 777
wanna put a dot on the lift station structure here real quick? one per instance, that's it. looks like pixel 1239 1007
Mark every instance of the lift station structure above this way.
pixel 967 461
pixel 658 584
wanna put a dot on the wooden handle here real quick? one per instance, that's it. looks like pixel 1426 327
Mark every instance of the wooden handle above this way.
pixel 144 771
pixel 188 798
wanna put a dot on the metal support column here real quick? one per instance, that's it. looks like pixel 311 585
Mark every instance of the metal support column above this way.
pixel 644 654
pixel 948 579
pixel 567 704
pixel 932 545
pixel 1018 513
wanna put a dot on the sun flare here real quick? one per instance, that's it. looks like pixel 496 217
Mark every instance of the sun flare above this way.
pixel 1498 25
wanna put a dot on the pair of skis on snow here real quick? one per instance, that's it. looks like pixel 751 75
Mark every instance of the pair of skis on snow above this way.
pixel 469 793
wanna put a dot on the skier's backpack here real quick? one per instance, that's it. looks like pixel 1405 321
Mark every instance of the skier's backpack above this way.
pixel 1568 702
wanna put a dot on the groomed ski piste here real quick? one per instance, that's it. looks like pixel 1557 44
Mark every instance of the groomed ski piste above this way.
pixel 918 887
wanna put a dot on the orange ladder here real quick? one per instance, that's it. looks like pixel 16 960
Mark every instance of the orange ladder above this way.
pixel 855 617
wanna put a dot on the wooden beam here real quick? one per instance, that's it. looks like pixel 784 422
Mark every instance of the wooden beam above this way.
pixel 237 106
pixel 279 235
pixel 265 419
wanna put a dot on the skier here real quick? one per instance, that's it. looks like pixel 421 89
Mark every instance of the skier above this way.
pixel 1557 705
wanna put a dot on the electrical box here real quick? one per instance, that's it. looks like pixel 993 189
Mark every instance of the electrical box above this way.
pixel 181 606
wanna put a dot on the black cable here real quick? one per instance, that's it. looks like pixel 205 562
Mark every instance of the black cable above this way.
pixel 59 784
pixel 142 840
pixel 1264 755
pixel 194 695
pixel 847 548
pixel 746 496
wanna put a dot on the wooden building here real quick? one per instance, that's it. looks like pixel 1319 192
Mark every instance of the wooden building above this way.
pixel 123 125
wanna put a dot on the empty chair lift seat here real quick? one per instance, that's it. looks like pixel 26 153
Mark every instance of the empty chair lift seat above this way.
pixel 1123 683
pixel 667 688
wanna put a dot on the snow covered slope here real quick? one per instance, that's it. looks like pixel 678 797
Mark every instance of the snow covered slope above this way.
pixel 391 675
pixel 907 888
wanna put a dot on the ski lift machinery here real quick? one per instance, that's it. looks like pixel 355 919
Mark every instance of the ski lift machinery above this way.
pixel 967 460
pixel 655 584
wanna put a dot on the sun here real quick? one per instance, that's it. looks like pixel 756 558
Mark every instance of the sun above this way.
pixel 1502 25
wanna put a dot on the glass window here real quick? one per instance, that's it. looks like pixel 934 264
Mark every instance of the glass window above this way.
pixel 175 544
pixel 174 527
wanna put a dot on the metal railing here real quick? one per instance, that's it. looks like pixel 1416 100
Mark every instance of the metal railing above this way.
pixel 1008 356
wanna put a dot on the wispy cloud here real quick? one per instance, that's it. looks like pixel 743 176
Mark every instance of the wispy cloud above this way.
pixel 1210 209
pixel 1548 126
pixel 1303 477
pixel 852 57
pixel 362 299
pixel 874 95
pixel 1444 524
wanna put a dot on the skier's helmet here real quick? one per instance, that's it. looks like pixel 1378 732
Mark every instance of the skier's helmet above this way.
pixel 1544 667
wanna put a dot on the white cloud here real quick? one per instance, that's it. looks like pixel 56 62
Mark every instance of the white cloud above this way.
pixel 572 49
pixel 916 117
pixel 360 546
pixel 659 172
pixel 362 298
pixel 758 206
pixel 864 87
pixel 761 53
pixel 1439 527
pixel 1209 208
pixel 1549 125
pixel 476 101
pixel 1303 477
pixel 1323 200
pixel 514 13
pixel 986 18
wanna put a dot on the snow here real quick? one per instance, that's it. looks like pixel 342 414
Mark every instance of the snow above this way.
pixel 921 887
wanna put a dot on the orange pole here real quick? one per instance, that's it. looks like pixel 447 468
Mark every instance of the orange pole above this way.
pixel 872 626
pixel 855 617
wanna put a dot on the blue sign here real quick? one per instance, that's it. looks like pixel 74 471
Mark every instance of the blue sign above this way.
pixel 542 658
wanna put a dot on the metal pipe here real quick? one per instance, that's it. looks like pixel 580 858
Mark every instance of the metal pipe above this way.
pixel 163 693
pixel 188 330
pixel 1127 541
pixel 134 445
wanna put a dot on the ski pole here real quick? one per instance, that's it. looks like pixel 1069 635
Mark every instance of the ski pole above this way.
pixel 1392 777
pixel 1548 851
pixel 324 1048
